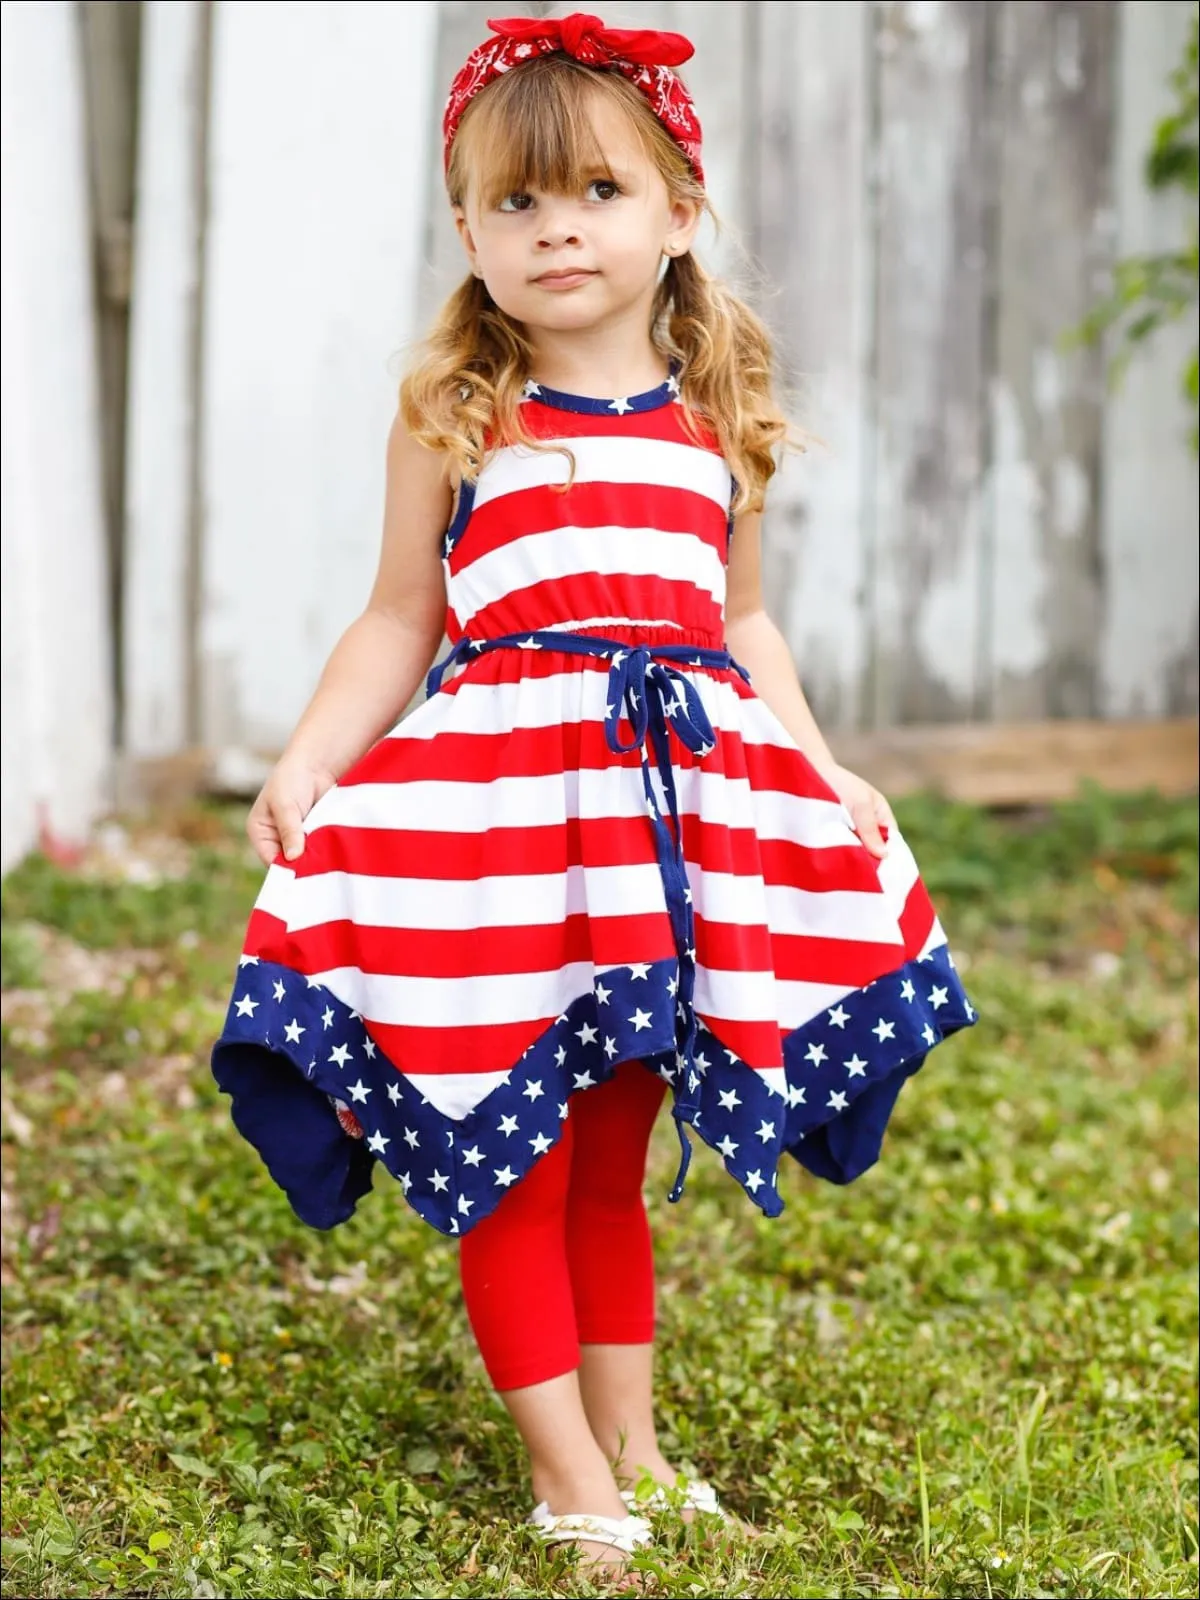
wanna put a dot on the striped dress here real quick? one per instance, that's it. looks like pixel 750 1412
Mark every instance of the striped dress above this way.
pixel 591 843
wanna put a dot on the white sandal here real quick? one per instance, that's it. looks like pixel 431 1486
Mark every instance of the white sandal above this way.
pixel 625 1534
pixel 698 1496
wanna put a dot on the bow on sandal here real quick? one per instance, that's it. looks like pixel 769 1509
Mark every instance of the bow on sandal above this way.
pixel 625 1534
pixel 698 1496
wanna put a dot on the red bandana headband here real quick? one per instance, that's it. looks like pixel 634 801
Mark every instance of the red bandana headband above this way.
pixel 643 55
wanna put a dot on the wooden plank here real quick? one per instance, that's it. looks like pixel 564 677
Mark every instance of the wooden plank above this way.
pixel 461 25
pixel 810 109
pixel 160 533
pixel 55 636
pixel 933 161
pixel 110 35
pixel 1151 506
pixel 319 140
pixel 1017 764
pixel 1055 240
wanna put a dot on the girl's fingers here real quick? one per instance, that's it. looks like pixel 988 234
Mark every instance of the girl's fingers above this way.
pixel 263 837
pixel 291 832
pixel 867 827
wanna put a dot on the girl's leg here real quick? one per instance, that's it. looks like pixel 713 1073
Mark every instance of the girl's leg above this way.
pixel 612 1267
pixel 517 1289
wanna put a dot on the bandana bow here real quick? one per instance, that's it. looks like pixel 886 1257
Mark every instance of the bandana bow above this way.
pixel 643 55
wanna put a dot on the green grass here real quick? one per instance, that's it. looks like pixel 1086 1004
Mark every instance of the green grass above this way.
pixel 971 1373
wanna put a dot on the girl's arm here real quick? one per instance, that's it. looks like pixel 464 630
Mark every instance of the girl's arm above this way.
pixel 756 642
pixel 378 662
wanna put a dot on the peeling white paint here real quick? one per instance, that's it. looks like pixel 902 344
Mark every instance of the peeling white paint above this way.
pixel 1021 582
pixel 1071 497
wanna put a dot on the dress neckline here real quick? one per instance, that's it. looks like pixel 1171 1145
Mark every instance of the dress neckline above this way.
pixel 664 394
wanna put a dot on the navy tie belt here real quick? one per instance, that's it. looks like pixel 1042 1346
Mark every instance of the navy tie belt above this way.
pixel 655 696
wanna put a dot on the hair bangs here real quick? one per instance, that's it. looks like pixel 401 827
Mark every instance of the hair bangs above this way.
pixel 534 129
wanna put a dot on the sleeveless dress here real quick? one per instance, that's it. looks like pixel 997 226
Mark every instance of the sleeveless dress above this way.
pixel 591 843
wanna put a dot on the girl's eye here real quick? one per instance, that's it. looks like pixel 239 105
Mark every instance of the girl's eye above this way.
pixel 603 189
pixel 516 202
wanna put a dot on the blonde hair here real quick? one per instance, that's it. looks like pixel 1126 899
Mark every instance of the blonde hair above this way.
pixel 532 128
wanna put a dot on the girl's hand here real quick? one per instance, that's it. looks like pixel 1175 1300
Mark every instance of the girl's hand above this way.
pixel 276 818
pixel 867 807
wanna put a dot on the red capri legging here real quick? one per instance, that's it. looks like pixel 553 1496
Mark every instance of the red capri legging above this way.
pixel 565 1259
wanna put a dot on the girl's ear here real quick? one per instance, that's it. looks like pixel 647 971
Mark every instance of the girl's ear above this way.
pixel 468 241
pixel 682 224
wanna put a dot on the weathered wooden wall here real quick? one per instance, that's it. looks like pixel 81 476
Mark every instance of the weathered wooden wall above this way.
pixel 56 728
pixel 935 190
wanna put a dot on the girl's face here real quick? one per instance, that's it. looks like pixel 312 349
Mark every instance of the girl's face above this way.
pixel 571 262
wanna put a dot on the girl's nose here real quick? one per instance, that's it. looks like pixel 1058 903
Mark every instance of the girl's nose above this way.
pixel 558 228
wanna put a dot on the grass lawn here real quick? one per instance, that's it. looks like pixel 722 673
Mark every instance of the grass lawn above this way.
pixel 971 1373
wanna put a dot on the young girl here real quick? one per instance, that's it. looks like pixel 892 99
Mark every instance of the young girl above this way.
pixel 596 867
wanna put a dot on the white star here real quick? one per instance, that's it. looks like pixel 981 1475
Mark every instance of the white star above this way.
pixel 410 1138
pixel 359 1091
pixel 505 1176
pixel 651 808
pixel 453 1225
pixel 610 1048
pixel 584 1080
pixel 529 644
pixel 766 1131
pixel 838 1017
pixel 837 1101
pixel 540 1144
pixel 473 1156
pixel 340 1055
pixel 672 708
pixel 641 1020
pixel 279 990
pixel 394 1093
pixel 617 657
pixel 815 1053
pixel 754 1181
pixel 311 983
pixel 884 1030
pixel 928 1034
pixel 603 995
pixel 533 1089
pixel 439 1181
pixel 293 1031
pixel 620 407
pixel 531 389
pixel 856 1066
pixel 449 1138
pixel 246 1007
pixel 701 1064
pixel 560 1056
pixel 369 1049
pixel 907 992
pixel 673 384
pixel 327 1018
pixel 377 1143
pixel 938 997
pixel 639 969
pixel 970 1010
pixel 562 1111
pixel 727 1147
pixel 587 1034
pixel 247 961
pixel 464 1205
pixel 795 1095
pixel 729 1099
pixel 672 987
pixel 508 1125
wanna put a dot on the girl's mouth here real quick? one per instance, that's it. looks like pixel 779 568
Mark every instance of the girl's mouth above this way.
pixel 564 280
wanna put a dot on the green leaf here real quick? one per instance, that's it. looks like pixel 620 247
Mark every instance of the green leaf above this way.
pixel 421 1461
pixel 192 1464
pixel 160 1539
